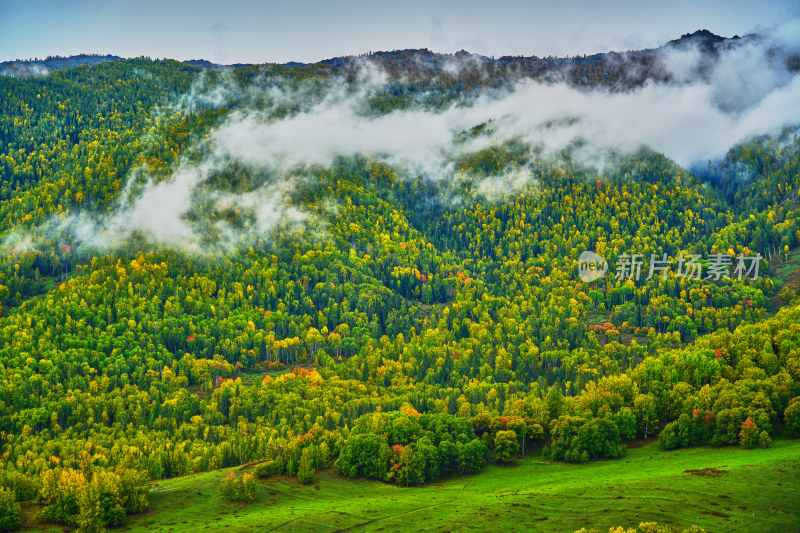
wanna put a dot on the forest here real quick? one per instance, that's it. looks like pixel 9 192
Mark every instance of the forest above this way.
pixel 355 314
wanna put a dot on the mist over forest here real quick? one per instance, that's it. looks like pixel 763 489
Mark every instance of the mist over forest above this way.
pixel 300 281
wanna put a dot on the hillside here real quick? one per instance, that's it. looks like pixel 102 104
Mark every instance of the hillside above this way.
pixel 369 270
pixel 38 67
pixel 753 492
pixel 422 66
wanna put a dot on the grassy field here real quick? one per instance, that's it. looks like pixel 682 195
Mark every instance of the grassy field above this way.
pixel 758 490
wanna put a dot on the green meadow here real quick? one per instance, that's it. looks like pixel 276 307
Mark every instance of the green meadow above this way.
pixel 749 490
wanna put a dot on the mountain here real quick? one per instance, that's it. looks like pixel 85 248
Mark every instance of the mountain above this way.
pixel 702 38
pixel 423 62
pixel 36 67
pixel 208 65
pixel 291 268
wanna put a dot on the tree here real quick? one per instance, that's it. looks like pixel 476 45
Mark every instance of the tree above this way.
pixel 429 458
pixel 229 487
pixel 472 457
pixel 448 453
pixel 60 494
pixel 9 511
pixel 554 402
pixel 791 416
pixel 306 470
pixel 364 455
pixel 749 434
pixel 133 489
pixel 646 412
pixel 410 467
pixel 90 519
pixel 626 422
pixel 563 433
pixel 599 438
pixel 518 426
pixel 668 438
pixel 506 446
pixel 248 487
pixel 234 489
pixel 105 490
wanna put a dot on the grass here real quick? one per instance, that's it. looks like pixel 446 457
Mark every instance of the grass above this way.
pixel 785 268
pixel 787 274
pixel 752 490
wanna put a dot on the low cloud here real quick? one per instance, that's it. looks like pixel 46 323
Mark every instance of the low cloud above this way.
pixel 747 90
pixel 710 104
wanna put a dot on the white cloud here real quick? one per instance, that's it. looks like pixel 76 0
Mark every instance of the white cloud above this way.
pixel 746 91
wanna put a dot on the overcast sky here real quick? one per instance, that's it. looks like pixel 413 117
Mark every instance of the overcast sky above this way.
pixel 249 31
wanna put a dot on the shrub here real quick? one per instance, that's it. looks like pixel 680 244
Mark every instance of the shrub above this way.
pixel 267 469
pixel 248 483
pixel 546 453
pixel 646 527
pixel 229 488
pixel 234 489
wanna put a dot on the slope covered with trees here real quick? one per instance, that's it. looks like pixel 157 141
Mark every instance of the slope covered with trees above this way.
pixel 405 330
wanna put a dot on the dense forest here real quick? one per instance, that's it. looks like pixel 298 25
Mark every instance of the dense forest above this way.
pixel 388 325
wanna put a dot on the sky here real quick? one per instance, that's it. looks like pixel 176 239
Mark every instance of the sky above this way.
pixel 248 31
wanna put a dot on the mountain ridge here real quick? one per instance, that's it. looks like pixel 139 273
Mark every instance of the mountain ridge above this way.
pixel 33 67
pixel 23 68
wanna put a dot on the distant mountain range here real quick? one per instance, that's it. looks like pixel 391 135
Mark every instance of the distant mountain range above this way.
pixel 208 65
pixel 36 67
pixel 704 39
